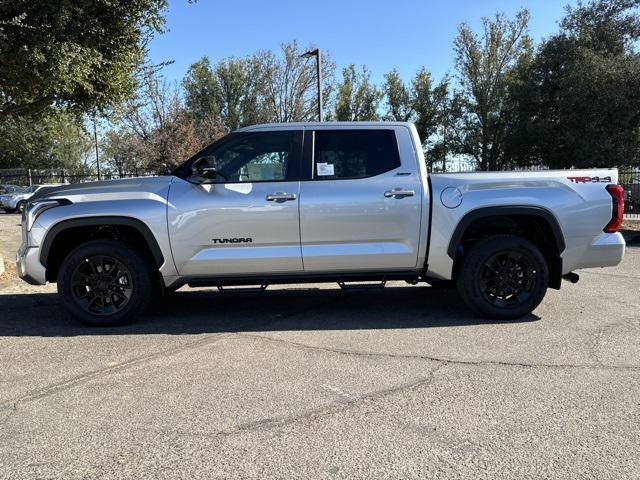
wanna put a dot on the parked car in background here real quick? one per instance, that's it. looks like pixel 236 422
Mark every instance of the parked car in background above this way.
pixel 14 201
pixel 5 189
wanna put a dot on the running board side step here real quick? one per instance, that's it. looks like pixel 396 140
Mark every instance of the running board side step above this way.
pixel 362 286
pixel 261 288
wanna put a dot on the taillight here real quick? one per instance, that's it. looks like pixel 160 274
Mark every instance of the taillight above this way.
pixel 617 196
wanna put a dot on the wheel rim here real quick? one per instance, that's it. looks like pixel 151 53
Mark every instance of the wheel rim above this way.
pixel 101 285
pixel 20 206
pixel 507 279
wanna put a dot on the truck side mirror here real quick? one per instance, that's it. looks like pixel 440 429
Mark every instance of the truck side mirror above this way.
pixel 205 168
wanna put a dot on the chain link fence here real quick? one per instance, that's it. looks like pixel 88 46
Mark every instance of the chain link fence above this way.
pixel 628 178
pixel 27 177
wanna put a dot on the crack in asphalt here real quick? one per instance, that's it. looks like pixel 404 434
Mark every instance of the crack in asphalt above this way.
pixel 331 408
pixel 442 359
pixel 208 339
pixel 56 387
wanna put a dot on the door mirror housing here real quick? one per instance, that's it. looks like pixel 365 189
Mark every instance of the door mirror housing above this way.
pixel 204 169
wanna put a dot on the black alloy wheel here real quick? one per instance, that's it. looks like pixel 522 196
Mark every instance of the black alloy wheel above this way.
pixel 101 285
pixel 508 278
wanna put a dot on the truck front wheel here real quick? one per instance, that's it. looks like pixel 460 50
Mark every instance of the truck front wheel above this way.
pixel 503 277
pixel 105 283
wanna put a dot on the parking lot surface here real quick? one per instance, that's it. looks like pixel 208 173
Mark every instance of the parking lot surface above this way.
pixel 315 382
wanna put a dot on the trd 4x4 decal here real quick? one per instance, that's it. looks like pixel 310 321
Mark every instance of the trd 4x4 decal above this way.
pixel 590 179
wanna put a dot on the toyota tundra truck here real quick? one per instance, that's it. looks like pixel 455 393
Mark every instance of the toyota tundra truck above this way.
pixel 350 203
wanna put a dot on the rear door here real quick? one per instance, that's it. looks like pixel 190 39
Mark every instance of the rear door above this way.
pixel 360 207
pixel 247 221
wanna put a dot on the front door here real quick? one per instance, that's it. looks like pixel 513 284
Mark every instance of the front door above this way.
pixel 246 221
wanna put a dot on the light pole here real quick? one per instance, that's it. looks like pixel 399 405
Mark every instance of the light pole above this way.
pixel 95 138
pixel 316 53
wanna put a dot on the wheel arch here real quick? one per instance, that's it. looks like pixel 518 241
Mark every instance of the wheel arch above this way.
pixel 534 223
pixel 133 230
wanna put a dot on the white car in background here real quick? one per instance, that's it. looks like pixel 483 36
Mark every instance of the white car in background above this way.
pixel 15 201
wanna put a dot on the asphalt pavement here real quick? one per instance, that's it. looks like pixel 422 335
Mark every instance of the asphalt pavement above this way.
pixel 315 382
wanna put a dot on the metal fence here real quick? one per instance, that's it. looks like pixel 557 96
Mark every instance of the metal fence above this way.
pixel 25 177
pixel 628 178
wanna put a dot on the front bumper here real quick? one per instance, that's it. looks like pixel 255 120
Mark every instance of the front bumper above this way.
pixel 29 267
pixel 8 204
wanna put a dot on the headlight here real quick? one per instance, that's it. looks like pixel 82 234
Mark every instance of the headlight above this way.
pixel 33 210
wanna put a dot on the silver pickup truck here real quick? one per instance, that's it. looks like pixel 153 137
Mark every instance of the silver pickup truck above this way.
pixel 317 202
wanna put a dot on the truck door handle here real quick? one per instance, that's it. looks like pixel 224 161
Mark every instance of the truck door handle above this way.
pixel 280 197
pixel 399 193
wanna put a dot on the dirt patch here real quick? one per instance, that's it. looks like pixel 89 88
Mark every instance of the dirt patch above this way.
pixel 631 231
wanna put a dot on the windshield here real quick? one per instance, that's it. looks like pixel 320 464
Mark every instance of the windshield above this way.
pixel 8 189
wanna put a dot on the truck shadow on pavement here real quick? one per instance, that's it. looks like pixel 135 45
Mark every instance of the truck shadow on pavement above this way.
pixel 208 311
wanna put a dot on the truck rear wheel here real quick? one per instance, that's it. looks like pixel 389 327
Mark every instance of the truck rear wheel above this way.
pixel 105 283
pixel 503 277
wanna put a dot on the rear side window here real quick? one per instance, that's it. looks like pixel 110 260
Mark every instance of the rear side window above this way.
pixel 342 154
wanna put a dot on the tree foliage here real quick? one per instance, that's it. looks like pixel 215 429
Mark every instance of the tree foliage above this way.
pixel 290 83
pixel 486 64
pixel 263 87
pixel 51 142
pixel 579 106
pixel 571 102
pixel 358 97
pixel 159 131
pixel 72 54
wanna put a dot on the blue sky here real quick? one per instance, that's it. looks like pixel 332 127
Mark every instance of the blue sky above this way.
pixel 401 34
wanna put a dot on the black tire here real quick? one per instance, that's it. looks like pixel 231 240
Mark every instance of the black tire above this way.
pixel 20 206
pixel 503 277
pixel 94 294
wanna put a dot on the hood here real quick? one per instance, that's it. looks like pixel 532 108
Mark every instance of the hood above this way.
pixel 105 190
pixel 7 196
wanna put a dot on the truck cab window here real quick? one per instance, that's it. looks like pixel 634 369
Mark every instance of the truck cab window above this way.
pixel 342 154
pixel 254 157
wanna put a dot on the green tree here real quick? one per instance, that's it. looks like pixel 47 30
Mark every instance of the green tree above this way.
pixel 486 65
pixel 71 144
pixel 399 99
pixel 427 106
pixel 59 141
pixel 72 54
pixel 120 151
pixel 580 105
pixel 358 98
pixel 200 90
pixel 434 119
pixel 238 87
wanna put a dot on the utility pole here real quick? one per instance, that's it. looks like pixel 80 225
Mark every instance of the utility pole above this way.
pixel 95 138
pixel 318 54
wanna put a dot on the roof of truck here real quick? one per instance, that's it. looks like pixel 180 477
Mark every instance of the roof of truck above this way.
pixel 269 126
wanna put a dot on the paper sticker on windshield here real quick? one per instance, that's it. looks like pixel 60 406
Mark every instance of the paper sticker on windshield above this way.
pixel 325 169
